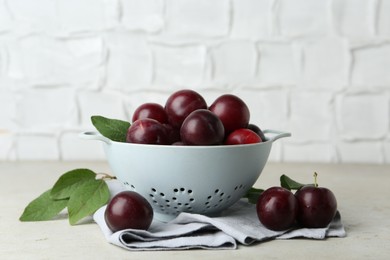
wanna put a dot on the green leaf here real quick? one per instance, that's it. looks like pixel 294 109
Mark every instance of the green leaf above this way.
pixel 86 199
pixel 290 184
pixel 69 182
pixel 253 195
pixel 43 208
pixel 113 129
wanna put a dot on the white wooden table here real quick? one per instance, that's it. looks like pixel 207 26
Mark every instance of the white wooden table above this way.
pixel 362 191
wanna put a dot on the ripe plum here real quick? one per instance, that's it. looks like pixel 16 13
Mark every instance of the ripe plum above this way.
pixel 147 131
pixel 258 131
pixel 150 110
pixel 202 127
pixel 181 103
pixel 277 208
pixel 232 111
pixel 128 209
pixel 317 206
pixel 242 136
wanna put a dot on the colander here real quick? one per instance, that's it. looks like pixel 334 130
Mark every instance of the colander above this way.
pixel 198 179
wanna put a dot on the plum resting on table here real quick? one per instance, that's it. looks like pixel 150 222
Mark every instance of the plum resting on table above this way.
pixel 317 206
pixel 128 209
pixel 277 208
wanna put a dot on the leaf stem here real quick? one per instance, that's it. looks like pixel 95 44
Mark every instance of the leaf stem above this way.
pixel 105 176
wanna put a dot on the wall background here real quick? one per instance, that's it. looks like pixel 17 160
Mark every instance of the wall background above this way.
pixel 320 69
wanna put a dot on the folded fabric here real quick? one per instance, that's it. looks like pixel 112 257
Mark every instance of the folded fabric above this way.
pixel 237 224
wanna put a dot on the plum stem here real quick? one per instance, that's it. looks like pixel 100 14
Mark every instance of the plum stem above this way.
pixel 315 179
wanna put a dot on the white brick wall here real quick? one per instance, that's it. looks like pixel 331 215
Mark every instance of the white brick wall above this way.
pixel 178 65
pixel 278 63
pixel 319 69
pixel 253 19
pixel 369 65
pixel 234 62
pixel 303 18
pixel 325 63
pixel 144 15
pixel 202 18
pixel 354 18
pixel 130 63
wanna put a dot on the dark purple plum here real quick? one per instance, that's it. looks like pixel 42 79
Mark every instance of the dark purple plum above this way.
pixel 202 127
pixel 257 130
pixel 181 103
pixel 232 111
pixel 317 206
pixel 147 131
pixel 128 209
pixel 277 208
pixel 150 110
pixel 172 133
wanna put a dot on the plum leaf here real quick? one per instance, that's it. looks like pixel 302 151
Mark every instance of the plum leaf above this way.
pixel 113 129
pixel 69 182
pixel 86 199
pixel 43 208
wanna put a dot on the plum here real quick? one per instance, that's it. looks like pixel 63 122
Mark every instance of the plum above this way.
pixel 128 210
pixel 277 208
pixel 202 127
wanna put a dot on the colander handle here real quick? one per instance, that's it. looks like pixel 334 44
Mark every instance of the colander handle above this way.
pixel 275 134
pixel 91 135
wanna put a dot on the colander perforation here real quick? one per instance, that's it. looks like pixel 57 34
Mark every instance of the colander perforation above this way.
pixel 129 186
pixel 182 199
pixel 220 198
pixel 173 202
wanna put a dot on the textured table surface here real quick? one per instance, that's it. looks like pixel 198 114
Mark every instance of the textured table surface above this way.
pixel 362 192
